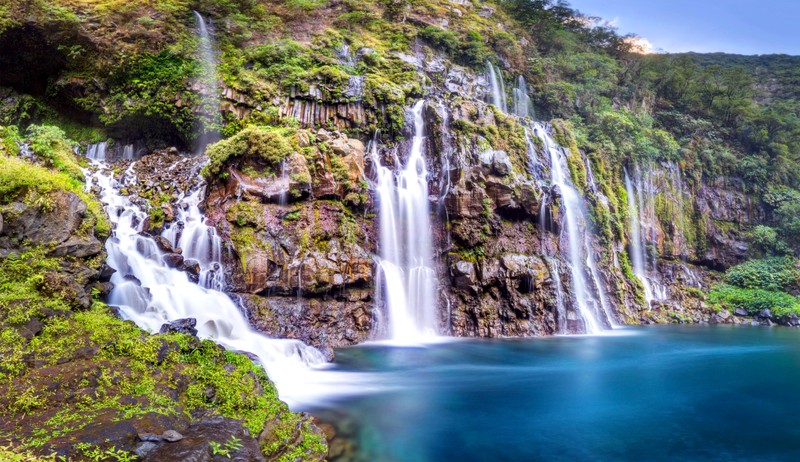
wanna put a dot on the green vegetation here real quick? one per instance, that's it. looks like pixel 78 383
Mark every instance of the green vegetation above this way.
pixel 269 144
pixel 769 274
pixel 760 284
pixel 126 362
pixel 754 300
pixel 34 184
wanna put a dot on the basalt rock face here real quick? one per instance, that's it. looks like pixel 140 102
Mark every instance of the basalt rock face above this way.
pixel 58 223
pixel 300 240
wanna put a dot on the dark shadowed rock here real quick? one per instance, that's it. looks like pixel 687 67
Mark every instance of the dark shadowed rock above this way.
pixel 173 260
pixel 163 244
pixel 195 444
pixel 181 326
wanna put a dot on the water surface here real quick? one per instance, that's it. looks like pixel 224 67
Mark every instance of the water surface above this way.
pixel 655 393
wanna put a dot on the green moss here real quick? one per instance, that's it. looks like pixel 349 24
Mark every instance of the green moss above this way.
pixel 128 363
pixel 21 179
pixel 562 131
pixel 268 144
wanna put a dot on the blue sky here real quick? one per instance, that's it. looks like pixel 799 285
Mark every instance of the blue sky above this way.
pixel 733 26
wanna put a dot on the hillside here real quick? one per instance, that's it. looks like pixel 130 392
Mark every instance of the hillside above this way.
pixel 552 181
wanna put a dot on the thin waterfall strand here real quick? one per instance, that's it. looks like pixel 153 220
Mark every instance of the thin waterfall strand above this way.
pixel 578 242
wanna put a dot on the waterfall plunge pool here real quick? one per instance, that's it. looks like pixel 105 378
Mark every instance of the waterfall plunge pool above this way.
pixel 652 393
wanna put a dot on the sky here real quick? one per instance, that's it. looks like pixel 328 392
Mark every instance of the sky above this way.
pixel 731 26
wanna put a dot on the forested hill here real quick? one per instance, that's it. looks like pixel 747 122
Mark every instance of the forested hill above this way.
pixel 681 175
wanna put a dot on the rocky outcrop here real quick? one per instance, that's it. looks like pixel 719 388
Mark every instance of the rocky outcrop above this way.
pixel 300 244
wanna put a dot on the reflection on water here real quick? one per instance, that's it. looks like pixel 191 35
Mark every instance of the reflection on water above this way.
pixel 668 393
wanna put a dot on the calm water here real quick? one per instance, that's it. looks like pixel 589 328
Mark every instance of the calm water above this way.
pixel 658 393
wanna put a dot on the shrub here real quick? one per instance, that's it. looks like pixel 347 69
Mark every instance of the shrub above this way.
pixel 754 300
pixel 778 273
pixel 266 143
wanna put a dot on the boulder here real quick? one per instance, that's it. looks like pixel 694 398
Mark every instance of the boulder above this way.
pixel 194 444
pixel 464 274
pixel 173 260
pixel 180 326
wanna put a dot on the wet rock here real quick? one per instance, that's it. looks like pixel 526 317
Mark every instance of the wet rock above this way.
pixel 501 164
pixel 163 244
pixel 195 443
pixel 30 329
pixel 173 260
pixel 78 247
pixel 192 268
pixel 181 326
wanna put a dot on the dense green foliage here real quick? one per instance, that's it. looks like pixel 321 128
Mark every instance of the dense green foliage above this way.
pixel 760 284
pixel 33 183
pixel 130 363
pixel 769 274
pixel 754 300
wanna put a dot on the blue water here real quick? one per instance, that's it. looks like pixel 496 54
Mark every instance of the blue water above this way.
pixel 656 393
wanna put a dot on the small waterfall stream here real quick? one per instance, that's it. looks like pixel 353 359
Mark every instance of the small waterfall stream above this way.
pixel 151 293
pixel 595 312
pixel 497 86
pixel 208 81
pixel 406 252
pixel 638 260
pixel 522 100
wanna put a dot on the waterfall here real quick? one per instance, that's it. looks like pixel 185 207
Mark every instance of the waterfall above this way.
pixel 561 310
pixel 97 151
pixel 596 315
pixel 151 293
pixel 521 98
pixel 198 241
pixel 210 103
pixel 637 243
pixel 498 87
pixel 406 251
pixel 535 166
pixel 676 179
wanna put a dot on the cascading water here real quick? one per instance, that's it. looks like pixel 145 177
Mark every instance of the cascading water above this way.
pixel 198 241
pixel 406 252
pixel 210 103
pixel 151 293
pixel 97 151
pixel 637 243
pixel 521 99
pixel 498 87
pixel 596 315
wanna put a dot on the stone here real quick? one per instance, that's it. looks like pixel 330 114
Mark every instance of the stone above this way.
pixel 181 326
pixel 192 268
pixel 173 260
pixel 464 274
pixel 172 436
pixel 740 312
pixel 501 163
pixel 163 244
pixel 194 443
pixel 765 314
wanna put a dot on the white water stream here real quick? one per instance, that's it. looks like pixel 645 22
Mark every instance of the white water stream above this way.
pixel 406 252
pixel 594 310
pixel 150 293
